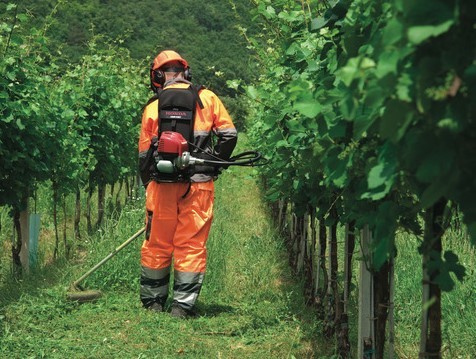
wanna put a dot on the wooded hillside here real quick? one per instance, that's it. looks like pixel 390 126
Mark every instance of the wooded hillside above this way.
pixel 206 34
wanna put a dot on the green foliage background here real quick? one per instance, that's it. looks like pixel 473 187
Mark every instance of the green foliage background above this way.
pixel 367 109
pixel 74 79
pixel 206 34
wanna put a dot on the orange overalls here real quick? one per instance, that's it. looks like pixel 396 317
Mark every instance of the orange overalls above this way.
pixel 179 215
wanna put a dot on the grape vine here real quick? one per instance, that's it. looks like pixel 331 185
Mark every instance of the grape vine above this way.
pixel 366 110
pixel 74 127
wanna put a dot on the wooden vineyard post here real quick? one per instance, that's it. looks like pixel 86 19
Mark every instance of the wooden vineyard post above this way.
pixel 320 284
pixel 301 238
pixel 343 335
pixel 366 330
pixel 333 298
pixel 34 229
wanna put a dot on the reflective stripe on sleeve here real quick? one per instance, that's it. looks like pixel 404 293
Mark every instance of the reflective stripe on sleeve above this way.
pixel 201 133
pixel 231 131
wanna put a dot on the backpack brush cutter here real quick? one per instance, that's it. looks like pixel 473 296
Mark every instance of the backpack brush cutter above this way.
pixel 173 156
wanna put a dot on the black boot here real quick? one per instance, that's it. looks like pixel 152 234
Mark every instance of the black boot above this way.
pixel 180 312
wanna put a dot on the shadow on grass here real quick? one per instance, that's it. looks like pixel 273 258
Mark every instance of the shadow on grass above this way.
pixel 213 309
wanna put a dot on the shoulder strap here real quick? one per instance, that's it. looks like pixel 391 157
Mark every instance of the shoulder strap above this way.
pixel 196 91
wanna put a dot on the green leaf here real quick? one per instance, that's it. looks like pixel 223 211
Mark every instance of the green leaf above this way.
pixel 273 196
pixel 393 32
pixel 252 92
pixel 376 177
pixel 22 17
pixel 10 60
pixel 387 63
pixel 7 119
pixel 375 97
pixel 282 144
pixel 436 164
pixel 336 167
pixel 418 34
pixel 349 71
pixel 270 10
pixel 68 114
pixel 449 124
pixel 383 239
pixel 382 176
pixel 295 125
pixel 308 107
pixel 439 187
pixel 405 83
pixel 395 120
pixel 296 184
pixel 318 23
pixel 20 124
pixel 348 105
pixel 332 14
pixel 367 63
pixel 82 113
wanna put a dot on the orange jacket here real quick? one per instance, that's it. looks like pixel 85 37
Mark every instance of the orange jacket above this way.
pixel 212 120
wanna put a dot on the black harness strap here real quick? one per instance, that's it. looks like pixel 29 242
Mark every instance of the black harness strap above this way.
pixel 197 89
pixel 176 111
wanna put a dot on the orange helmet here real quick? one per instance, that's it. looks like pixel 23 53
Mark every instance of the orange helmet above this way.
pixel 167 56
pixel 157 77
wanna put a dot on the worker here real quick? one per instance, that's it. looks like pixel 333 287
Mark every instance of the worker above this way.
pixel 179 205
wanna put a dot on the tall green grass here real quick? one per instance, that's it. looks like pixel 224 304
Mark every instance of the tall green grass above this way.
pixel 458 306
pixel 250 305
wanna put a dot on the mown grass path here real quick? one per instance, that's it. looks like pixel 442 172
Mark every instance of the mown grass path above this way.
pixel 250 305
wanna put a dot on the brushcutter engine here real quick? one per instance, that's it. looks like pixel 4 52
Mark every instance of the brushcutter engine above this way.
pixel 173 154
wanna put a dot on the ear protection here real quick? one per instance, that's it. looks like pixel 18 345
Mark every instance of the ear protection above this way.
pixel 157 77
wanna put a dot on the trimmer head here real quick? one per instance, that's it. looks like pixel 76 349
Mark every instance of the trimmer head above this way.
pixel 82 296
pixel 77 293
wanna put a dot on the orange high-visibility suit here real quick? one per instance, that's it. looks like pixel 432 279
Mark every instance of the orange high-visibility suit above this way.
pixel 179 215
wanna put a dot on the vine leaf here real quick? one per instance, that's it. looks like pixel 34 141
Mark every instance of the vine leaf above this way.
pixel 395 120
pixel 418 34
pixel 307 106
pixel 382 176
